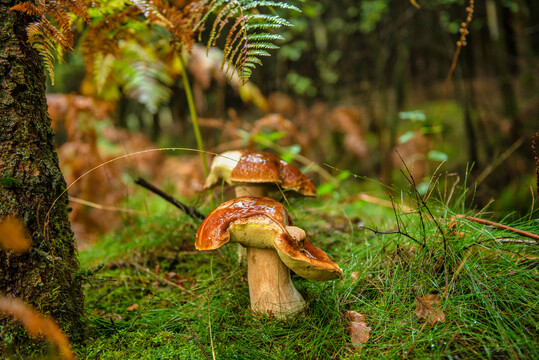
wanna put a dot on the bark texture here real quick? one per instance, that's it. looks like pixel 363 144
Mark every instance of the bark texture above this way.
pixel 30 182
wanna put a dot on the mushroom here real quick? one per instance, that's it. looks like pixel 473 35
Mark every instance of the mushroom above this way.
pixel 274 245
pixel 255 173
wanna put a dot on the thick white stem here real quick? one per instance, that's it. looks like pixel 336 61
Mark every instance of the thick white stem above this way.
pixel 270 287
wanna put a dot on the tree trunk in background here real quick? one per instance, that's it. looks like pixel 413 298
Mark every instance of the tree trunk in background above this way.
pixel 30 181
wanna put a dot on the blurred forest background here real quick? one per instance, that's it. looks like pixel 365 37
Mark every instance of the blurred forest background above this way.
pixel 353 81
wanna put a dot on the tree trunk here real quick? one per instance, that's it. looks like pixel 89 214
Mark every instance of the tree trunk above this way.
pixel 30 183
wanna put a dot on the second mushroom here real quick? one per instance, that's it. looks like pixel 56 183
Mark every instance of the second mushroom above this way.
pixel 274 245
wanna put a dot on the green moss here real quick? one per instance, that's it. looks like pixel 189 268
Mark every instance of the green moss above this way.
pixel 9 183
pixel 390 271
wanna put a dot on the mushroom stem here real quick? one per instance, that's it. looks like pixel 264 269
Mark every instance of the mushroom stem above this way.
pixel 251 190
pixel 270 287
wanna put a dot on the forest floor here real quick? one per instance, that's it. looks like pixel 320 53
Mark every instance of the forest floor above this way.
pixel 428 284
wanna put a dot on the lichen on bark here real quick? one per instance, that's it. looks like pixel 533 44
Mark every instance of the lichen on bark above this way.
pixel 30 183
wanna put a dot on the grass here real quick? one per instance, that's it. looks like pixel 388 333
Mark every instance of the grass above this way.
pixel 488 288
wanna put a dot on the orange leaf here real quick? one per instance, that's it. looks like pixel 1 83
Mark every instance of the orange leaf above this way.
pixel 132 307
pixel 426 308
pixel 359 330
pixel 12 235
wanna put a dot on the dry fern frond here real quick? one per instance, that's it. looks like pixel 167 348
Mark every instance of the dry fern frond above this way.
pixel 48 38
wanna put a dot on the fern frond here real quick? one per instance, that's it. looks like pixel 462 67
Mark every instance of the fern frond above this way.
pixel 249 36
pixel 29 8
pixel 104 63
pixel 44 47
pixel 47 37
pixel 78 8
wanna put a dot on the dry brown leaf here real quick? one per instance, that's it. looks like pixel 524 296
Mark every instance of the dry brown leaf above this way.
pixel 36 324
pixel 359 330
pixel 132 307
pixel 12 235
pixel 426 308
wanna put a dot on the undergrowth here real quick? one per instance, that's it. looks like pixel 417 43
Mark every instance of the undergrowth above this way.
pixel 157 297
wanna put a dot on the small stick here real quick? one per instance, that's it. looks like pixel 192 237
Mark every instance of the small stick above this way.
pixel 197 341
pixel 500 226
pixel 159 277
pixel 140 313
pixel 191 211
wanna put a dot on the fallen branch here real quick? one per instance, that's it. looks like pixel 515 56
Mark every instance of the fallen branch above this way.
pixel 188 210
pixel 500 226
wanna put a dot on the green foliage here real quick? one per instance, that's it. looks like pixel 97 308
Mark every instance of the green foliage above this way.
pixel 487 288
pixel 128 36
pixel 371 13
pixel 250 34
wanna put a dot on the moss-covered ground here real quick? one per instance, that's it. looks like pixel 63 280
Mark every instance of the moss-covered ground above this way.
pixel 156 297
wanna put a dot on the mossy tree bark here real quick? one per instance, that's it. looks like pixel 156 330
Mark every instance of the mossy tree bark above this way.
pixel 30 182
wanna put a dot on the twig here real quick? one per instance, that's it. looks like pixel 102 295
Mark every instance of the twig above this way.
pixel 197 341
pixel 515 241
pixel 188 210
pixel 497 162
pixel 159 277
pixel 140 312
pixel 116 329
pixel 500 226
pixel 391 233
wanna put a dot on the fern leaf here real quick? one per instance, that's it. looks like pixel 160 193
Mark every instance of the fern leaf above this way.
pixel 80 9
pixel 29 8
pixel 249 36
pixel 280 4
pixel 262 45
pixel 257 52
pixel 266 37
pixel 270 19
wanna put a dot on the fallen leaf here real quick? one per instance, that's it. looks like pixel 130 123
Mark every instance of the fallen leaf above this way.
pixel 132 307
pixel 12 235
pixel 426 308
pixel 354 275
pixel 359 330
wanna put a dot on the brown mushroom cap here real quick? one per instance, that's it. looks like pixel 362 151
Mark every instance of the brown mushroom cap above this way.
pixel 264 223
pixel 248 166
